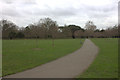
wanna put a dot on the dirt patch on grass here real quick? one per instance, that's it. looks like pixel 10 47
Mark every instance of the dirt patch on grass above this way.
pixel 37 49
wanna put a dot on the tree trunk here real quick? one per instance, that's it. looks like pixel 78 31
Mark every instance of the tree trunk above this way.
pixel 52 41
pixel 36 42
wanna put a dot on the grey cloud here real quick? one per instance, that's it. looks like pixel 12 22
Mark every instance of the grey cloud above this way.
pixel 99 15
pixel 22 9
pixel 99 11
pixel 56 12
pixel 119 12
pixel 101 8
pixel 11 11
pixel 19 1
pixel 29 2
pixel 48 11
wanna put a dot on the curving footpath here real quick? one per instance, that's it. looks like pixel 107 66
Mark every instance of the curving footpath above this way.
pixel 68 66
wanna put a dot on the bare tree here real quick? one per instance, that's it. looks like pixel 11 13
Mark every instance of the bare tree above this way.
pixel 112 32
pixel 34 29
pixel 51 26
pixel 27 32
pixel 1 29
pixel 90 26
pixel 67 32
pixel 43 29
pixel 9 29
pixel 79 33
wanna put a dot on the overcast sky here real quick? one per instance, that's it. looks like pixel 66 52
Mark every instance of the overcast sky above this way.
pixel 103 13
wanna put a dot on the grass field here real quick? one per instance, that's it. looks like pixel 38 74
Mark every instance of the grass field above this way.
pixel 106 62
pixel 19 55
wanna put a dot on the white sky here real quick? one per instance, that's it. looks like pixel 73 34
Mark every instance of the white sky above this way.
pixel 104 13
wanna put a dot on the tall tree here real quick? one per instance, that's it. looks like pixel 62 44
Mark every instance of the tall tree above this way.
pixel 8 28
pixel 90 26
pixel 34 30
pixel 74 28
pixel 27 32
pixel 51 26
pixel 67 32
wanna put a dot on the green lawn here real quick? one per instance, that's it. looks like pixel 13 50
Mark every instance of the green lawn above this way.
pixel 106 62
pixel 19 55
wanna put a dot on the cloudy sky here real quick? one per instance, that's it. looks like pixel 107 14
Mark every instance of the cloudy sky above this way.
pixel 103 13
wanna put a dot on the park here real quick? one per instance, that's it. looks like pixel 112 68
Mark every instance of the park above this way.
pixel 94 53
pixel 20 55
pixel 42 40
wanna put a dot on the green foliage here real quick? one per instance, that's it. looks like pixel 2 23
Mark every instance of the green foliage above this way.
pixel 74 28
pixel 106 62
pixel 20 35
pixel 12 35
pixel 19 55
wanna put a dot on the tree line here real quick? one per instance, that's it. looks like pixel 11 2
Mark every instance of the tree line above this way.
pixel 47 28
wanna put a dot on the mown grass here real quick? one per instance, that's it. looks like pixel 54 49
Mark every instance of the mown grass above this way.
pixel 19 55
pixel 106 63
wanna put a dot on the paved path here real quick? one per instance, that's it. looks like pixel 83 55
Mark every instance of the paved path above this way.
pixel 66 67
